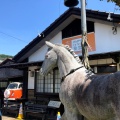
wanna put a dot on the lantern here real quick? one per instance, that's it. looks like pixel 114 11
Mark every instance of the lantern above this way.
pixel 70 3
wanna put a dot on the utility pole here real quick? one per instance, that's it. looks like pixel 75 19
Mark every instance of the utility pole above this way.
pixel 84 42
pixel 83 17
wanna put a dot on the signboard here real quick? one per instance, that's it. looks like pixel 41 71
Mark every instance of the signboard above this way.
pixel 55 104
pixel 75 43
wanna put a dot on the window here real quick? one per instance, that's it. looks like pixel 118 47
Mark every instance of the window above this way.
pixel 3 84
pixel 106 69
pixel 48 84
pixel 20 86
pixel 57 81
pixel 39 82
pixel 74 28
pixel 12 86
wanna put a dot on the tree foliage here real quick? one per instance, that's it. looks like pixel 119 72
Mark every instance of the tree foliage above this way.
pixel 3 56
pixel 117 2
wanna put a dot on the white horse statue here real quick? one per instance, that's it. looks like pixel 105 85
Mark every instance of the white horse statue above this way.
pixel 96 97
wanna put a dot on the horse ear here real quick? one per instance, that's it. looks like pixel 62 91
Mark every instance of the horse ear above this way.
pixel 49 44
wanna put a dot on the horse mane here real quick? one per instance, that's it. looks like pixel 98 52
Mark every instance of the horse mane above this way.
pixel 89 72
pixel 71 51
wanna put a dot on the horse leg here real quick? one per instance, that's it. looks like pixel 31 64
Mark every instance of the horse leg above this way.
pixel 114 118
pixel 63 117
pixel 117 115
pixel 71 115
pixel 116 108
pixel 117 112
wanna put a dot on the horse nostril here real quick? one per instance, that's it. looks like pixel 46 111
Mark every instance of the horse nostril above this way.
pixel 46 56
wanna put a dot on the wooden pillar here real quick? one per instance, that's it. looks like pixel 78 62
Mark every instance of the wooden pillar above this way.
pixel 25 83
pixel 118 63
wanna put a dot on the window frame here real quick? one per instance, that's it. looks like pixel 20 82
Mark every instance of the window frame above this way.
pixel 45 93
pixel 102 66
pixel 2 84
pixel 74 28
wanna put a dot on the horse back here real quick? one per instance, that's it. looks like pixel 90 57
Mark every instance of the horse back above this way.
pixel 96 96
pixel 99 95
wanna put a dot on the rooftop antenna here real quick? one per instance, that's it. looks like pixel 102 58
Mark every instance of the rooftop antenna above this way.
pixel 40 34
pixel 109 17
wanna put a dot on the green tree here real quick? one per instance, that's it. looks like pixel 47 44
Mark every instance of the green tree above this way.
pixel 115 1
pixel 3 56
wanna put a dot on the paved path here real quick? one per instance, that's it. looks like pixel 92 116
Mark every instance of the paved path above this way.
pixel 12 118
pixel 8 118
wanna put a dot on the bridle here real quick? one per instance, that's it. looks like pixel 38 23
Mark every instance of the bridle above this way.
pixel 72 71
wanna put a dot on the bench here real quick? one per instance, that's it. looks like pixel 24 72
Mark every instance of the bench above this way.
pixel 35 110
pixel 11 108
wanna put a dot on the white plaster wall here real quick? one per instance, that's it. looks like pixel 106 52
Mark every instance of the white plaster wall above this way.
pixel 31 79
pixel 105 40
pixel 40 54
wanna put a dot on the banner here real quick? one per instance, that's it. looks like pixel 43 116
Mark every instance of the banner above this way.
pixel 75 42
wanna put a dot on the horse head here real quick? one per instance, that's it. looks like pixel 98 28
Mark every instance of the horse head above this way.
pixel 61 56
pixel 50 61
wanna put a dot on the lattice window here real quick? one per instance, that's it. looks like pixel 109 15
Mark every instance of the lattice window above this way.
pixel 39 82
pixel 49 83
pixel 57 81
pixel 3 84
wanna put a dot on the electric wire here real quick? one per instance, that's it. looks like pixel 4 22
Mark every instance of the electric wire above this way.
pixel 10 49
pixel 13 37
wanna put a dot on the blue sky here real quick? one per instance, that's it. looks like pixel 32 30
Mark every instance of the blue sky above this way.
pixel 22 20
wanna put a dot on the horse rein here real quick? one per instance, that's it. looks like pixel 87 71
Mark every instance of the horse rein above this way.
pixel 72 71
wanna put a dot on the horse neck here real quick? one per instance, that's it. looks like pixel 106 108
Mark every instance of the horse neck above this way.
pixel 66 64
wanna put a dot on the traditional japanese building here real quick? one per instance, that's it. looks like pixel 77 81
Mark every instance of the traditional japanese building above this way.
pixel 104 49
pixel 9 74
